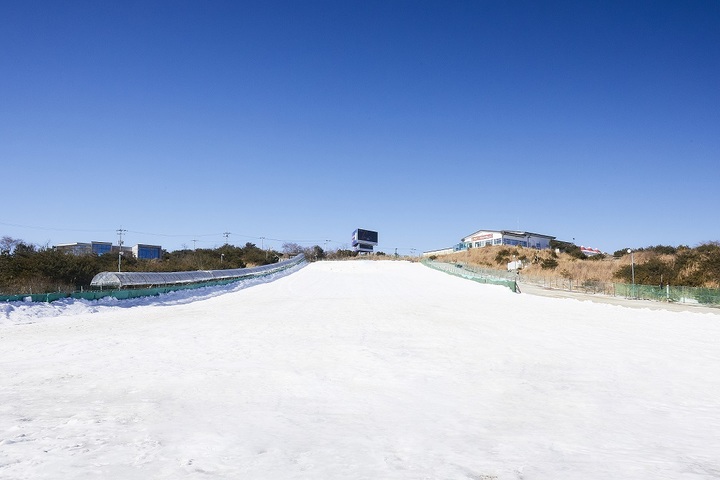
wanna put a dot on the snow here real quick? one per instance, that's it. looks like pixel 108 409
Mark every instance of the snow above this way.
pixel 27 312
pixel 358 369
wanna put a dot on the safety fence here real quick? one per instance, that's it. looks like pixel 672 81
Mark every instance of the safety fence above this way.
pixel 476 274
pixel 665 293
pixel 152 290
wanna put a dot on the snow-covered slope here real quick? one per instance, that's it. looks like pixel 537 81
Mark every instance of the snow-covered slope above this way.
pixel 360 370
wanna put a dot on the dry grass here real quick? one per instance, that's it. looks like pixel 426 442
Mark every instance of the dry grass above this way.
pixel 568 267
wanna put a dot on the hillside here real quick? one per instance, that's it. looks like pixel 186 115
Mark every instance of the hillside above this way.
pixel 497 257
pixel 696 267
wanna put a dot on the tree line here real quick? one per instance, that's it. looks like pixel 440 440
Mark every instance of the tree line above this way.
pixel 682 265
pixel 28 268
pixel 663 264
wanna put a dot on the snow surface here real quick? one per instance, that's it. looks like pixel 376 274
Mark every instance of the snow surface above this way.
pixel 361 370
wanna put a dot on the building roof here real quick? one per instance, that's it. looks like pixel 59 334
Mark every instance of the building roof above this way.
pixel 513 232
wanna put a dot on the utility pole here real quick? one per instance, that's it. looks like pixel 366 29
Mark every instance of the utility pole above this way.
pixel 194 244
pixel 120 232
pixel 262 246
pixel 226 235
pixel 632 267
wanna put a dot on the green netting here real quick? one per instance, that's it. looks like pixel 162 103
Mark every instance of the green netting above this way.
pixel 704 296
pixel 689 295
pixel 34 297
pixel 480 275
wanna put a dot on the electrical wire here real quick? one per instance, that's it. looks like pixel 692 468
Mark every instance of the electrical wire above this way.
pixel 169 235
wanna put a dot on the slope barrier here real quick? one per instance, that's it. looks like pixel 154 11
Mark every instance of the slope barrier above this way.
pixel 475 274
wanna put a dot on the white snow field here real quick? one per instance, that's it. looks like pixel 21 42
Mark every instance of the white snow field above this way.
pixel 360 370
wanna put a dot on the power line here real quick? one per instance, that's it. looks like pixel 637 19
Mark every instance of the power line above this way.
pixel 51 228
pixel 194 237
pixel 176 234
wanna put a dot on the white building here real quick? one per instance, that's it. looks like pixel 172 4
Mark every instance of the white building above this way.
pixel 484 238
pixel 82 248
pixel 100 248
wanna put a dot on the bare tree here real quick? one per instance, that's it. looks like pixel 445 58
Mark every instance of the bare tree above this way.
pixel 8 244
pixel 292 249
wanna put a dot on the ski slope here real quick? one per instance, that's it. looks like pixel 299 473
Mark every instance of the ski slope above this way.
pixel 359 370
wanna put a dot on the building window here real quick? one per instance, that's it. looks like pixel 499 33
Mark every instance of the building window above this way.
pixel 515 243
pixel 148 253
pixel 101 249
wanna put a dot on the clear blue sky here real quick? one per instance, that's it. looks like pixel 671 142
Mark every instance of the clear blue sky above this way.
pixel 303 120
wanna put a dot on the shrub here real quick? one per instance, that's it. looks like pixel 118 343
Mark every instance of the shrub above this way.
pixel 503 256
pixel 337 254
pixel 569 248
pixel 549 264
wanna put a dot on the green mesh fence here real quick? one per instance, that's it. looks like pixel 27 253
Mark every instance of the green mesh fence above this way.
pixel 34 297
pixel 703 296
pixel 688 295
pixel 476 274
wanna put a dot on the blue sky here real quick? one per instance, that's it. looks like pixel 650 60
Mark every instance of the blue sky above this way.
pixel 301 121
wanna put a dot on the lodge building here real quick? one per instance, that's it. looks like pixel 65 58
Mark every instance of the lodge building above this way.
pixel 485 238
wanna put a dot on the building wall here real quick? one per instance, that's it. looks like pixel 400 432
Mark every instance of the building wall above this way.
pixel 75 248
pixel 485 238
pixel 101 248
pixel 147 252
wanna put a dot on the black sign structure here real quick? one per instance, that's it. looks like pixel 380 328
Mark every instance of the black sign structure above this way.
pixel 364 240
